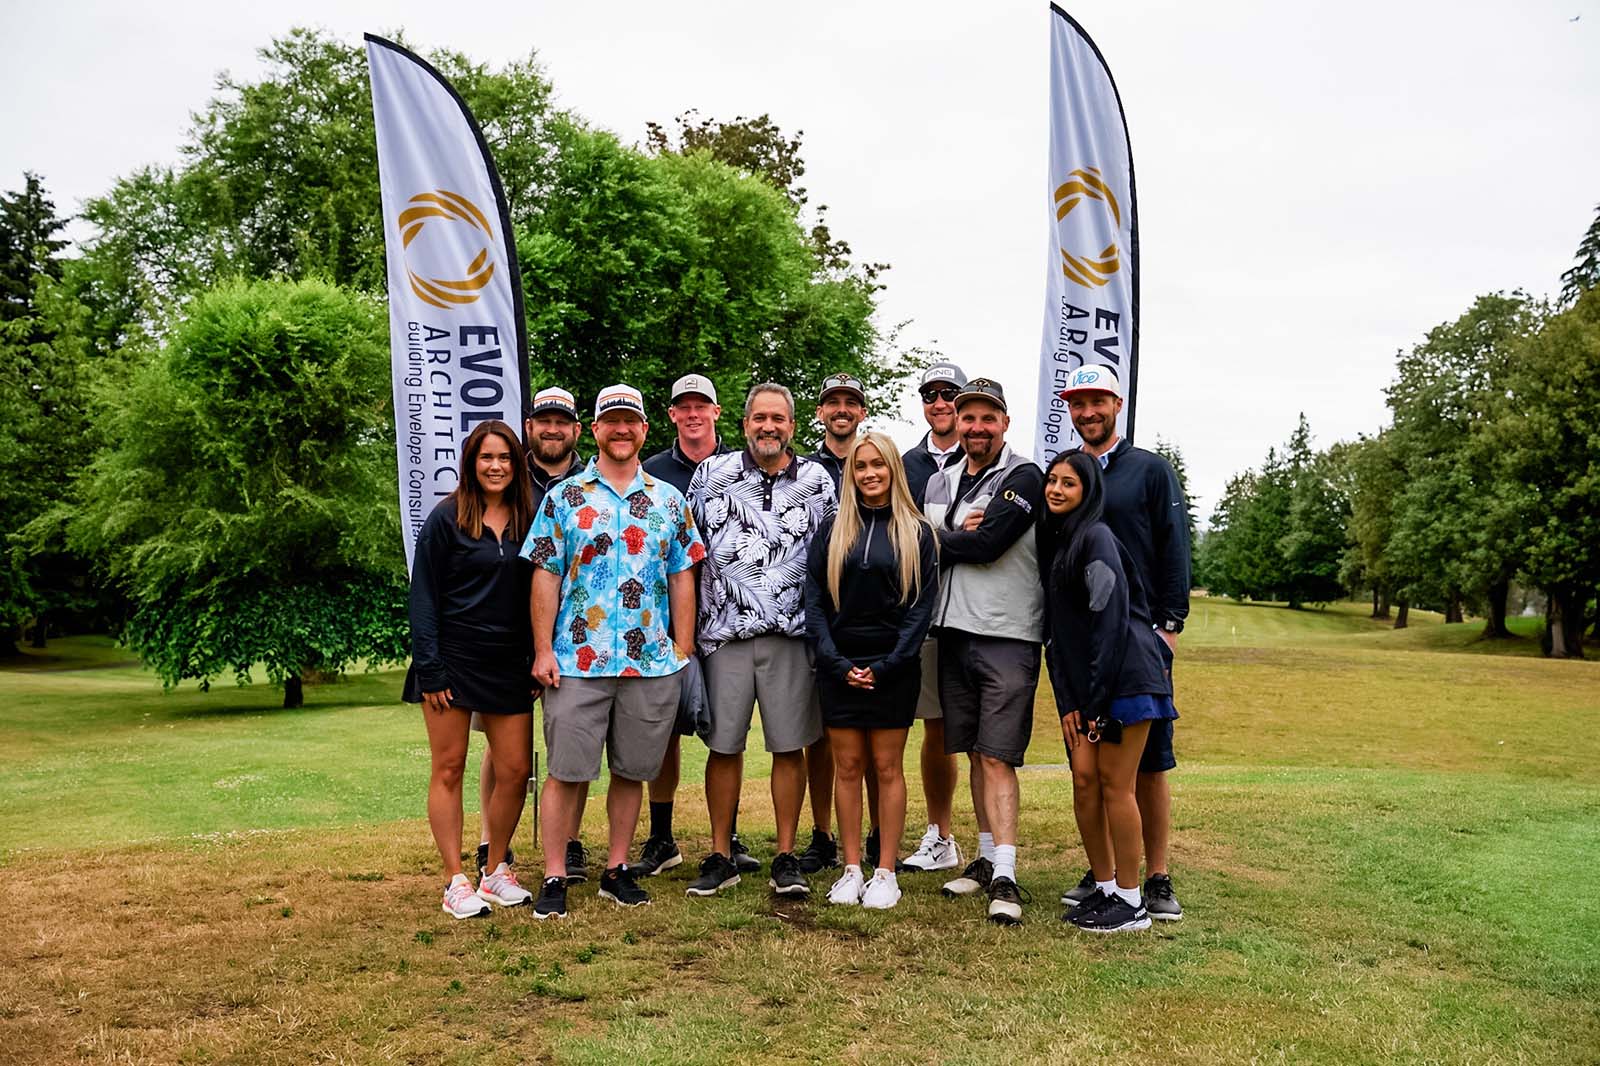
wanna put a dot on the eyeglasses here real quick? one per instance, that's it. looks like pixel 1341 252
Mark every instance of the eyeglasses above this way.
pixel 947 394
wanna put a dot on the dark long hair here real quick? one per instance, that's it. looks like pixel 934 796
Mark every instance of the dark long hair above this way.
pixel 470 500
pixel 1064 535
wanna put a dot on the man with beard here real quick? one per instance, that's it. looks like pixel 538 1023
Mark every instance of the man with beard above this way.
pixel 550 435
pixel 693 410
pixel 1145 508
pixel 990 620
pixel 757 510
pixel 613 551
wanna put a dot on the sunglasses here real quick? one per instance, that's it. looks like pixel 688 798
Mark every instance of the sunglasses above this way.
pixel 947 394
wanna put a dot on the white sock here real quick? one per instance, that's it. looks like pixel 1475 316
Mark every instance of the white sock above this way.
pixel 986 846
pixel 1005 861
pixel 1106 888
pixel 1130 896
pixel 852 866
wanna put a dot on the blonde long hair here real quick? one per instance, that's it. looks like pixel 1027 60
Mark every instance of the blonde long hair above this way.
pixel 905 520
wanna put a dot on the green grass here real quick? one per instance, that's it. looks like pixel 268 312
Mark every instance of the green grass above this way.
pixel 1384 843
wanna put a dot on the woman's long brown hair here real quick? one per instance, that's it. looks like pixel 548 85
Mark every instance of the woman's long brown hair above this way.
pixel 470 500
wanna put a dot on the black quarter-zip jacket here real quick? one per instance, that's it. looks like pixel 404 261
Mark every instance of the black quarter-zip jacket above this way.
pixel 1145 508
pixel 465 592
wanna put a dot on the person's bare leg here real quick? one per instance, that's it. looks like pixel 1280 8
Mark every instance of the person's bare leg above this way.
pixel 849 763
pixel 819 777
pixel 723 777
pixel 509 749
pixel 1090 812
pixel 1154 796
pixel 485 790
pixel 664 787
pixel 447 747
pixel 888 764
pixel 577 815
pixel 789 794
pixel 1001 797
pixel 975 781
pixel 1119 764
pixel 939 775
pixel 558 805
pixel 622 817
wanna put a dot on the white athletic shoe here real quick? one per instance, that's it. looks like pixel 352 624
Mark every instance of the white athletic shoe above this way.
pixel 847 890
pixel 882 892
pixel 501 887
pixel 934 852
pixel 460 901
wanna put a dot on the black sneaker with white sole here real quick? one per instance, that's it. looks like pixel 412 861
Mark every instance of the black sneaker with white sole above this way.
pixel 1005 901
pixel 1117 916
pixel 787 878
pixel 658 855
pixel 1085 906
pixel 617 885
pixel 552 901
pixel 1159 900
pixel 974 879
pixel 577 863
pixel 821 854
pixel 743 861
pixel 1084 889
pixel 483 859
pixel 717 872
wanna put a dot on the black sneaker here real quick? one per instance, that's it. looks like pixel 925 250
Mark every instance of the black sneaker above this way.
pixel 577 863
pixel 1159 900
pixel 743 861
pixel 1116 916
pixel 483 859
pixel 617 885
pixel 1085 906
pixel 552 901
pixel 657 856
pixel 787 876
pixel 717 872
pixel 821 854
pixel 975 878
pixel 870 852
pixel 1083 890
pixel 1005 901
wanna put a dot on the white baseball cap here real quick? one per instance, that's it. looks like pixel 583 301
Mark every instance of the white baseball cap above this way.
pixel 693 383
pixel 1093 377
pixel 554 401
pixel 618 398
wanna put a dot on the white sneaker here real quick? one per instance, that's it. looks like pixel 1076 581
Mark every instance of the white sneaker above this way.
pixel 460 901
pixel 501 887
pixel 847 890
pixel 883 891
pixel 934 852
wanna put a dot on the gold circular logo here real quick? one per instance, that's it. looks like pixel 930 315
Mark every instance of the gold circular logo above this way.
pixel 1084 187
pixel 422 267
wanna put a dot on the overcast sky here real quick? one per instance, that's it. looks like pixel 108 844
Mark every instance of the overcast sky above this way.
pixel 1319 183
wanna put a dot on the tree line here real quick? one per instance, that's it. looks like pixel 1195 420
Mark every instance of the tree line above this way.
pixel 1486 479
pixel 199 449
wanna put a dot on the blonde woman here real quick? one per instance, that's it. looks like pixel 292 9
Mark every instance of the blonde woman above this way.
pixel 871 582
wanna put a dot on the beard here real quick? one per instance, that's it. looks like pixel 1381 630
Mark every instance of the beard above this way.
pixel 552 451
pixel 1097 432
pixel 980 447
pixel 766 446
pixel 621 450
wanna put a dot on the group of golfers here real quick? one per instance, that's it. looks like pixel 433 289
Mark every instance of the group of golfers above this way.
pixel 845 594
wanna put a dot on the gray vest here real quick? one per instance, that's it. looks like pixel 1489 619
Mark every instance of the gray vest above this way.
pixel 999 599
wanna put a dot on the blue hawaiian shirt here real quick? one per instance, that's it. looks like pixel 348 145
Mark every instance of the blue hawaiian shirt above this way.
pixel 613 553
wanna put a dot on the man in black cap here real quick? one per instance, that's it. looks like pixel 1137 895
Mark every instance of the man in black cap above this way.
pixel 841 406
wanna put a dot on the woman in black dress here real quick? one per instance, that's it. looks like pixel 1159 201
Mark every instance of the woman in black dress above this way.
pixel 872 578
pixel 472 650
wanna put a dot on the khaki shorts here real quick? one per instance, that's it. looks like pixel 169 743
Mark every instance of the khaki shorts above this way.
pixel 630 719
pixel 928 705
pixel 772 671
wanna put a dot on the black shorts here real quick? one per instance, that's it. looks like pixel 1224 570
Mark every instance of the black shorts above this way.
pixel 986 686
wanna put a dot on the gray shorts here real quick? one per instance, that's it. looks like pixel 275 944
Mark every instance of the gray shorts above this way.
pixel 928 705
pixel 986 685
pixel 629 718
pixel 772 671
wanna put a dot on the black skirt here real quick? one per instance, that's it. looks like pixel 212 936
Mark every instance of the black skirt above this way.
pixel 892 704
pixel 484 678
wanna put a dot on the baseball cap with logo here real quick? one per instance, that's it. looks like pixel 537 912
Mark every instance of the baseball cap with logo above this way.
pixel 691 384
pixel 942 372
pixel 618 398
pixel 982 389
pixel 842 383
pixel 1093 377
pixel 553 401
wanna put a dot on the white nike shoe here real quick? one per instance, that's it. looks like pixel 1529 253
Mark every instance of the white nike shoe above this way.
pixel 934 852
pixel 847 890
pixel 882 892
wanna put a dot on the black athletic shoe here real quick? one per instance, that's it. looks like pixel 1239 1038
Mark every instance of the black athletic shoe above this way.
pixel 1005 901
pixel 821 854
pixel 1159 900
pixel 870 852
pixel 1117 916
pixel 657 856
pixel 717 872
pixel 617 885
pixel 743 861
pixel 975 878
pixel 552 901
pixel 1085 906
pixel 577 863
pixel 483 859
pixel 787 877
pixel 1081 891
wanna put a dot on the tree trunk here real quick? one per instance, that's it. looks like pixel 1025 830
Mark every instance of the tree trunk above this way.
pixel 1402 618
pixel 294 693
pixel 1499 593
pixel 1452 609
pixel 1383 603
pixel 41 630
pixel 1564 623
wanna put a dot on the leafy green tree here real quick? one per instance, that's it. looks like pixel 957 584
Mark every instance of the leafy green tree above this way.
pixel 29 247
pixel 1585 273
pixel 1374 478
pixel 1319 514
pixel 245 501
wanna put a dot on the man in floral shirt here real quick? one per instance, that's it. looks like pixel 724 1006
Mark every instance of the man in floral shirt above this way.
pixel 613 550
pixel 758 508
